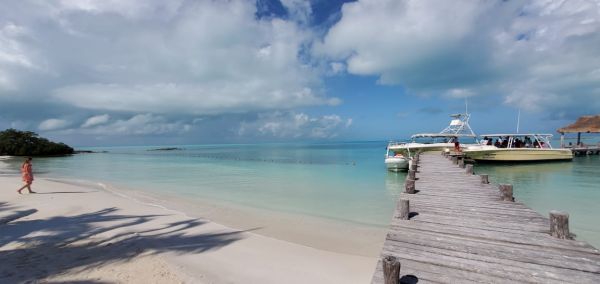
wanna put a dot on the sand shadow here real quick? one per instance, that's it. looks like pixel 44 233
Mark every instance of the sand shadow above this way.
pixel 16 215
pixel 64 192
pixel 77 243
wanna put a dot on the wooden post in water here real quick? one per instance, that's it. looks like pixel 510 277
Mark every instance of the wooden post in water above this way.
pixel 391 270
pixel 469 170
pixel 484 179
pixel 403 209
pixel 559 224
pixel 409 186
pixel 411 174
pixel 506 192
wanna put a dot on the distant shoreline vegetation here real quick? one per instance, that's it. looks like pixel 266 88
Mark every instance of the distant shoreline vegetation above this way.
pixel 26 143
pixel 166 149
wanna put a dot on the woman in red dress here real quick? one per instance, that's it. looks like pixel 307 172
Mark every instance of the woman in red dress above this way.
pixel 27 174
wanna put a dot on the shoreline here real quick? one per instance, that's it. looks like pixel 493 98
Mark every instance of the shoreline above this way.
pixel 312 231
pixel 63 224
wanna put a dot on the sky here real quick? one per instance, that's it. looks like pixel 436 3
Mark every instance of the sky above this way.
pixel 149 72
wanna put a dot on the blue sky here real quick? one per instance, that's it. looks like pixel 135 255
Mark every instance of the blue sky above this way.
pixel 133 72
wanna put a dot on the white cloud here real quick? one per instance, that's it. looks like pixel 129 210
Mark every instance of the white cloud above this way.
pixel 537 55
pixel 96 120
pixel 295 125
pixel 210 98
pixel 13 55
pixel 197 57
pixel 141 124
pixel 53 124
pixel 299 10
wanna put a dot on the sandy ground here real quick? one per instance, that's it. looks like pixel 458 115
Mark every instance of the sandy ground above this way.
pixel 81 233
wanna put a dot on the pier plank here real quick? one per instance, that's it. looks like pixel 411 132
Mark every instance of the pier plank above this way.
pixel 460 231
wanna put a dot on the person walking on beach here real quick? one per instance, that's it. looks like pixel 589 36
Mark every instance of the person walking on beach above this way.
pixel 27 174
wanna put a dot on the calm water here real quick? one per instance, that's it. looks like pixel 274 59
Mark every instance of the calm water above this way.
pixel 573 187
pixel 341 181
pixel 344 181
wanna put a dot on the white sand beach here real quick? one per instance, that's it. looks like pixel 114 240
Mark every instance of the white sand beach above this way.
pixel 76 232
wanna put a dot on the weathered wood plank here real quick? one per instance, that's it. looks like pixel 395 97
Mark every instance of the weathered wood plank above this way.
pixel 462 232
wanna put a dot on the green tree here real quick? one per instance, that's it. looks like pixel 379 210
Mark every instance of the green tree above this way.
pixel 26 143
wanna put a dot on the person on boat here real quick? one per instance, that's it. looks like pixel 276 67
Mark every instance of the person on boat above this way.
pixel 505 143
pixel 27 174
pixel 456 146
pixel 498 144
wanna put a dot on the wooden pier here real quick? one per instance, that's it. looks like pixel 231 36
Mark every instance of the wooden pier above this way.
pixel 585 150
pixel 457 228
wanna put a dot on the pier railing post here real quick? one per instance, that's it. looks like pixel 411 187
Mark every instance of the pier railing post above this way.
pixel 469 169
pixel 455 160
pixel 484 179
pixel 403 209
pixel 559 224
pixel 461 163
pixel 412 174
pixel 409 186
pixel 391 270
pixel 506 192
pixel 413 166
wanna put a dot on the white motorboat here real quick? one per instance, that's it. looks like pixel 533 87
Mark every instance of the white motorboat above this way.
pixel 527 147
pixel 396 162
pixel 459 131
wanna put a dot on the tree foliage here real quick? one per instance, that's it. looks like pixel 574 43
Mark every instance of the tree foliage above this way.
pixel 26 143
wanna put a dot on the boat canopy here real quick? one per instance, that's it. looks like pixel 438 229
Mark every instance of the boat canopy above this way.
pixel 516 134
pixel 440 135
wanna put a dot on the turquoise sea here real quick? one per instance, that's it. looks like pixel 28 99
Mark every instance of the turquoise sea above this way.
pixel 336 181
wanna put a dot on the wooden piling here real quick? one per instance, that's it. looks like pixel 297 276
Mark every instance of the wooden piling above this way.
pixel 391 270
pixel 469 169
pixel 455 160
pixel 461 163
pixel 403 209
pixel 409 186
pixel 559 224
pixel 413 167
pixel 412 174
pixel 506 192
pixel 484 179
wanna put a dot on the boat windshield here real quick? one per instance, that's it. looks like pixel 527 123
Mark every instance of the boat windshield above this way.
pixel 530 140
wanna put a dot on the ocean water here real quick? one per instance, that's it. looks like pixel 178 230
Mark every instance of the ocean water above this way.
pixel 572 187
pixel 341 181
pixel 336 181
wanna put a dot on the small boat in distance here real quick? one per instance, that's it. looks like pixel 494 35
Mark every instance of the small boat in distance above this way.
pixel 396 162
pixel 529 147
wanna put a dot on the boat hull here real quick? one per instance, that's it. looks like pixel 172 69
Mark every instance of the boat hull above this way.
pixel 518 154
pixel 396 164
pixel 419 147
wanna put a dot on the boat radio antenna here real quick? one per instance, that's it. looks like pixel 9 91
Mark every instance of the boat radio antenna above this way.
pixel 518 120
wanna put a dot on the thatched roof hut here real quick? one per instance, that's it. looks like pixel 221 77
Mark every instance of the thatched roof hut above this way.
pixel 584 124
